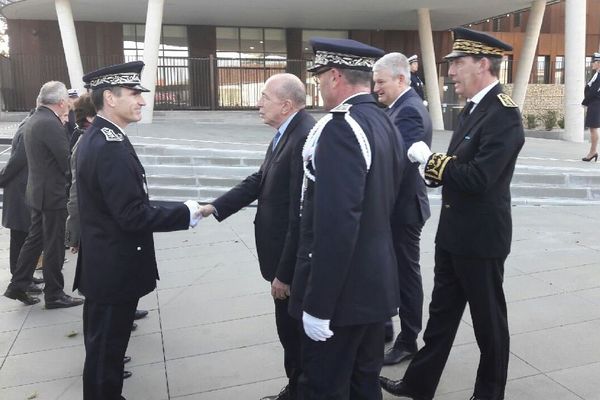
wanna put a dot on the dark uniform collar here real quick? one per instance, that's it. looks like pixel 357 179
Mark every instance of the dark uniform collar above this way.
pixel 101 122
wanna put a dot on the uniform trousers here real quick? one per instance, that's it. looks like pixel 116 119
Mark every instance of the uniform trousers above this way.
pixel 288 330
pixel 407 238
pixel 47 232
pixel 17 239
pixel 345 367
pixel 106 331
pixel 460 280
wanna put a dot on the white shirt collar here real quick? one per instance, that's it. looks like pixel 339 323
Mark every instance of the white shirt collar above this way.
pixel 121 129
pixel 481 94
pixel 400 95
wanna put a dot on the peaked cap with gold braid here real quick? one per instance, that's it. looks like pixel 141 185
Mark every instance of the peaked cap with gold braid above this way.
pixel 474 43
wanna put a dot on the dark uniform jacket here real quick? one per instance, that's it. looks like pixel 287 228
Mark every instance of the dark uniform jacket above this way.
pixel 417 84
pixel 13 178
pixel 277 186
pixel 592 93
pixel 346 269
pixel 116 262
pixel 414 124
pixel 475 218
pixel 48 154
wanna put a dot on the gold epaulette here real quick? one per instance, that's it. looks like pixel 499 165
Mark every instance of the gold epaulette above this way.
pixel 506 100
pixel 342 108
pixel 434 169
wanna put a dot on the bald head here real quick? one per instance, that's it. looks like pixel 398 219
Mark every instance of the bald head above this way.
pixel 283 95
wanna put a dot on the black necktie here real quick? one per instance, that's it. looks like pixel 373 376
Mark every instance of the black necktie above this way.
pixel 466 111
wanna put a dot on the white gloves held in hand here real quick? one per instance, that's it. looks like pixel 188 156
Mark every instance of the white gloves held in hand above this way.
pixel 315 328
pixel 195 212
pixel 419 152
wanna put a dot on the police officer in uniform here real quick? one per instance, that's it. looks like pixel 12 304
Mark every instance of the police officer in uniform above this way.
pixel 116 264
pixel 345 283
pixel 592 116
pixel 415 81
pixel 475 229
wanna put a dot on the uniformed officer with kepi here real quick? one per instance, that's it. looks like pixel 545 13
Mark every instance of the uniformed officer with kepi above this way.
pixel 116 264
pixel 345 283
pixel 475 229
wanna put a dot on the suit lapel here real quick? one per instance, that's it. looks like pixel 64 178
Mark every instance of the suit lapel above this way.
pixel 472 120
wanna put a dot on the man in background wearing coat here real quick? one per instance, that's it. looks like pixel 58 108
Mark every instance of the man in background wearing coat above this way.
pixel 475 229
pixel 391 75
pixel 277 186
pixel 116 264
pixel 16 215
pixel 47 153
pixel 346 281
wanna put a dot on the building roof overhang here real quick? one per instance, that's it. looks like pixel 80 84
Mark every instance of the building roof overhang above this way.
pixel 307 14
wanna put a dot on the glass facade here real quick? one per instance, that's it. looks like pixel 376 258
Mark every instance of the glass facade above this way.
pixel 559 70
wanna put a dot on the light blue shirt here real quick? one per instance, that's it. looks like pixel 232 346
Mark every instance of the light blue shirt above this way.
pixel 283 127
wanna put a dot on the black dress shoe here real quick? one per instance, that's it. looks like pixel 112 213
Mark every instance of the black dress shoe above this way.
pixel 139 314
pixel 133 327
pixel 63 301
pixel 397 388
pixel 126 359
pixel 127 374
pixel 396 355
pixel 33 288
pixel 37 281
pixel 285 394
pixel 22 296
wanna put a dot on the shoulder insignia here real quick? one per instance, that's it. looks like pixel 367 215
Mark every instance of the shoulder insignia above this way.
pixel 507 101
pixel 342 108
pixel 112 136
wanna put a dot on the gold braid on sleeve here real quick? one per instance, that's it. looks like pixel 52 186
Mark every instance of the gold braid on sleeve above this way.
pixel 434 169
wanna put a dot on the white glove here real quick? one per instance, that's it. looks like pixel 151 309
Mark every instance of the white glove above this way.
pixel 195 214
pixel 419 152
pixel 315 328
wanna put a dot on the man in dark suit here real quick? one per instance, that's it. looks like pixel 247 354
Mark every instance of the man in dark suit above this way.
pixel 415 80
pixel 116 222
pixel 277 186
pixel 391 75
pixel 475 229
pixel 47 153
pixel 346 281
pixel 15 213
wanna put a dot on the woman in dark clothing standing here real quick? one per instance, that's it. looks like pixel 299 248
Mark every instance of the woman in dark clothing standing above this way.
pixel 592 102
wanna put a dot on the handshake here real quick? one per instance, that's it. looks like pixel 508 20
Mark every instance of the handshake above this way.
pixel 197 212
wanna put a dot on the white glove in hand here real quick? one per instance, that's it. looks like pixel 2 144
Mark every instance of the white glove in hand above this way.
pixel 195 212
pixel 419 152
pixel 315 328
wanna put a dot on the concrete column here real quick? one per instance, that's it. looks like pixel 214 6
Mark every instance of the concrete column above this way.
pixel 70 45
pixel 575 29
pixel 151 46
pixel 534 25
pixel 429 67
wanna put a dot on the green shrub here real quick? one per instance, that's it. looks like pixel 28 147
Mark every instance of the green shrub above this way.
pixel 561 122
pixel 531 121
pixel 550 118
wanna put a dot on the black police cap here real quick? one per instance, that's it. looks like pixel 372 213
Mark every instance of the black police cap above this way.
pixel 126 75
pixel 343 53
pixel 468 42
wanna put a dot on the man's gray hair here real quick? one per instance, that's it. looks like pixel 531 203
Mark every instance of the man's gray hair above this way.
pixel 290 87
pixel 52 93
pixel 396 63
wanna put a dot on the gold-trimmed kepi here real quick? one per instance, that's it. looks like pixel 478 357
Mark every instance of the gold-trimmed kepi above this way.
pixel 474 43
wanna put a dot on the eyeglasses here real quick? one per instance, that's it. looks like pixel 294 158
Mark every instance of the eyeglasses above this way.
pixel 316 76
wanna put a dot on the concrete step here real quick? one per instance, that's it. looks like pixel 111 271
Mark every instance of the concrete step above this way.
pixel 226 161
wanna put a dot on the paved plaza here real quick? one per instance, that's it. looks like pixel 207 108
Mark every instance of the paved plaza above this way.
pixel 210 334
